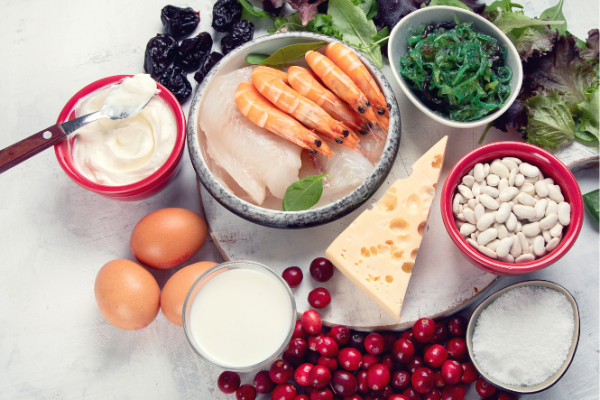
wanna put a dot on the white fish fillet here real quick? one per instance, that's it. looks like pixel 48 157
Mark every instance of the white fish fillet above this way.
pixel 254 157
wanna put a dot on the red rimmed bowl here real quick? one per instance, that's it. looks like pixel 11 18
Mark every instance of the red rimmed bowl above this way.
pixel 550 166
pixel 134 191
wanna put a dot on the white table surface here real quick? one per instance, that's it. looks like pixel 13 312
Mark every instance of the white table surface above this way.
pixel 54 235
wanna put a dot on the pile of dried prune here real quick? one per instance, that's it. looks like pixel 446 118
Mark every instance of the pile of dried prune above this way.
pixel 192 51
pixel 241 32
pixel 207 65
pixel 160 53
pixel 179 22
pixel 225 14
pixel 177 82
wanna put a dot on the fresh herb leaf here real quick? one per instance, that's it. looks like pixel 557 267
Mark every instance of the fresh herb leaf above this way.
pixel 588 114
pixel 250 9
pixel 305 8
pixel 452 3
pixel 551 123
pixel 303 194
pixel 507 21
pixel 285 54
pixel 355 28
pixel 504 5
pixel 556 14
pixel 592 203
pixel 373 11
pixel 534 41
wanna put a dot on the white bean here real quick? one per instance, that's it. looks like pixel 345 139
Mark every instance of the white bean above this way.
pixel 548 222
pixel 531 230
pixel 476 189
pixel 499 169
pixel 511 222
pixel 519 180
pixel 487 252
pixel 555 194
pixel 552 244
pixel 556 230
pixel 515 249
pixel 508 194
pixel 492 180
pixel 523 242
pixel 564 213
pixel 507 259
pixel 466 192
pixel 513 159
pixel 461 217
pixel 539 246
pixel 525 199
pixel 552 207
pixel 512 176
pixel 540 208
pixel 541 188
pixel 504 247
pixel 479 211
pixel 529 170
pixel 485 221
pixel 549 181
pixel 518 227
pixel 468 181
pixel 472 203
pixel 524 212
pixel 469 215
pixel 473 243
pixel 467 229
pixel 490 191
pixel 525 258
pixel 486 169
pixel 503 184
pixel 503 213
pixel 547 237
pixel 489 202
pixel 478 173
pixel 510 164
pixel 531 180
pixel 527 188
pixel 540 175
pixel 487 236
pixel 493 245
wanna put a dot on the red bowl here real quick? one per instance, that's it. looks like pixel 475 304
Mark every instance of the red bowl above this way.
pixel 134 191
pixel 550 166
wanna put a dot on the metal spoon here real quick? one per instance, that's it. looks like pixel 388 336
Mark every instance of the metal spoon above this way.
pixel 34 144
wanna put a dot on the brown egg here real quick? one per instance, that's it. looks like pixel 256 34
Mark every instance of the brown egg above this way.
pixel 167 238
pixel 177 287
pixel 127 295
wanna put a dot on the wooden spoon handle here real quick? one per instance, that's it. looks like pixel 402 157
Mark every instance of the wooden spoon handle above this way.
pixel 21 151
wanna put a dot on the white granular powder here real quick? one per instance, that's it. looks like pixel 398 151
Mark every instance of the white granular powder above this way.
pixel 524 336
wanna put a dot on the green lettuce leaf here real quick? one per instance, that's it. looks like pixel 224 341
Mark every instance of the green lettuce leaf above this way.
pixel 550 123
pixel 589 110
pixel 453 3
pixel 534 41
pixel 507 21
pixel 556 14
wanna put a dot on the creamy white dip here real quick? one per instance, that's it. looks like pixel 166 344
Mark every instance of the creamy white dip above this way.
pixel 122 152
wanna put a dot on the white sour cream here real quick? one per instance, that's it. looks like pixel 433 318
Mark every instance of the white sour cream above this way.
pixel 116 153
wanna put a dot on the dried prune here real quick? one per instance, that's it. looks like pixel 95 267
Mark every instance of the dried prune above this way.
pixel 207 65
pixel 191 52
pixel 177 82
pixel 241 32
pixel 179 22
pixel 160 52
pixel 225 13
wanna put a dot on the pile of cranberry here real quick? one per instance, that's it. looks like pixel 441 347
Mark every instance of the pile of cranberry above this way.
pixel 428 362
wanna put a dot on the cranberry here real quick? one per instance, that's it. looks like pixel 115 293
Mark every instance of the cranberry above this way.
pixel 433 395
pixel 408 335
pixel 422 380
pixel 484 388
pixel 319 298
pixel 398 397
pixel 435 356
pixel 321 394
pixel 291 358
pixel 502 395
pixel 263 383
pixel 388 361
pixel 374 343
pixel 363 386
pixel 425 348
pixel 328 362
pixel 245 392
pixel 357 340
pixel 327 347
pixel 457 349
pixel 368 360
pixel 470 374
pixel 298 347
pixel 281 371
pixel 299 332
pixel 415 363
pixel 301 397
pixel 441 333
pixel 403 350
pixel 386 392
pixel 454 392
pixel 313 341
pixel 321 269
pixel 313 357
pixel 389 338
pixel 373 397
pixel 439 379
pixel 341 335
pixel 301 374
pixel 424 330
pixel 344 383
pixel 452 372
pixel 353 397
pixel 319 376
pixel 293 276
pixel 412 394
pixel 311 322
pixel 284 391
pixel 457 326
pixel 400 380
pixel 229 382
pixel 350 359
pixel 378 376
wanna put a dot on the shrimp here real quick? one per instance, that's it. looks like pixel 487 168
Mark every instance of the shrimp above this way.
pixel 348 62
pixel 305 82
pixel 304 110
pixel 276 72
pixel 340 84
pixel 258 110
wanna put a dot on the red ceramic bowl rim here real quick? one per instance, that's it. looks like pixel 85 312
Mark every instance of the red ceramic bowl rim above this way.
pixel 66 162
pixel 531 154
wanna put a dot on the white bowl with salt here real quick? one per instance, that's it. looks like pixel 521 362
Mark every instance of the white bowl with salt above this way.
pixel 523 337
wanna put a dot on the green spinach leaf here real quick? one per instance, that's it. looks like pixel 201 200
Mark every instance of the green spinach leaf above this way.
pixel 303 194
pixel 592 203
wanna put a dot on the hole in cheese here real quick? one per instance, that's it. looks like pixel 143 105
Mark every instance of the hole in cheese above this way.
pixel 412 204
pixel 413 254
pixel 397 255
pixel 389 242
pixel 407 267
pixel 437 161
pixel 404 240
pixel 389 278
pixel 399 225
pixel 373 250
pixel 421 228
pixel 383 249
pixel 365 252
pixel 388 202
pixel 427 191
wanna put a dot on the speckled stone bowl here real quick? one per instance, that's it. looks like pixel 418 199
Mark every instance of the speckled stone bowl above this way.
pixel 282 219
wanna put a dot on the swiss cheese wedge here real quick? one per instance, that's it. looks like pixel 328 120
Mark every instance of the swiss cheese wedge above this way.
pixel 378 250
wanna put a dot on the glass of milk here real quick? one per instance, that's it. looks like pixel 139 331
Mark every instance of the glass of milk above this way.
pixel 239 315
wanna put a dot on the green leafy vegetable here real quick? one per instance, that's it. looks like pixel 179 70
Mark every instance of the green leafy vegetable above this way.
pixel 452 3
pixel 303 194
pixel 551 123
pixel 321 24
pixel 507 21
pixel 503 5
pixel 251 10
pixel 555 14
pixel 588 113
pixel 285 54
pixel 355 28
pixel 373 11
pixel 592 203
pixel 534 40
